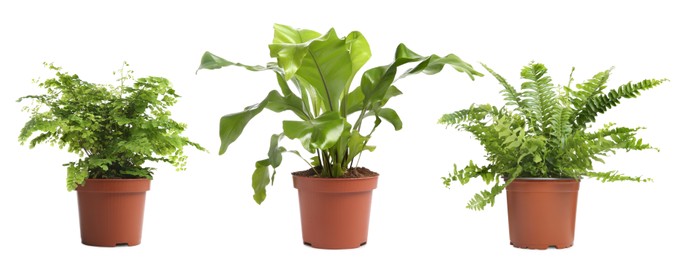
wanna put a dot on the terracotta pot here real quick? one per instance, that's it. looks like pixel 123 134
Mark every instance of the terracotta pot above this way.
pixel 111 211
pixel 335 211
pixel 542 212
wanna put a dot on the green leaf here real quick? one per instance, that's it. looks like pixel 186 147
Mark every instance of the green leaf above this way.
pixel 377 81
pixel 275 152
pixel 544 135
pixel 357 144
pixel 290 47
pixel 231 126
pixel 291 102
pixel 114 129
pixel 434 64
pixel 318 133
pixel 328 68
pixel 261 178
pixel 359 50
pixel 211 62
pixel 537 158
pixel 390 115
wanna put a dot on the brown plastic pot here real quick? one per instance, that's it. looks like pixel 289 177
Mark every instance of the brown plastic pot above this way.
pixel 111 211
pixel 542 212
pixel 335 211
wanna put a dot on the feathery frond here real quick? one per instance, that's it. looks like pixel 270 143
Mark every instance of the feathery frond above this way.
pixel 547 136
pixel 539 97
pixel 600 103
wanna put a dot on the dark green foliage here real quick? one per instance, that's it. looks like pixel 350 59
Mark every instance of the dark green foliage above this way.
pixel 115 130
pixel 544 136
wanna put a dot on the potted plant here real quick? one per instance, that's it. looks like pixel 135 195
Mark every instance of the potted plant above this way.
pixel 539 150
pixel 335 193
pixel 114 130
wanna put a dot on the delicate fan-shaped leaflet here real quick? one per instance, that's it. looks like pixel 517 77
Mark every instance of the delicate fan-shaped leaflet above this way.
pixel 114 129
pixel 550 141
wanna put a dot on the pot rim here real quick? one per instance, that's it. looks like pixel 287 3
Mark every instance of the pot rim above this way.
pixel 544 178
pixel 336 179
pixel 115 179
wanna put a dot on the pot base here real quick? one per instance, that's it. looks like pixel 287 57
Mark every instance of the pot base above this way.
pixel 541 247
pixel 310 245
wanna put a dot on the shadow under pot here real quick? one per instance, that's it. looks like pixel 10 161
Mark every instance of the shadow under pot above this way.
pixel 335 211
pixel 542 212
pixel 111 211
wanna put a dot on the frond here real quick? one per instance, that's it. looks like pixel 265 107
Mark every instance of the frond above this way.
pixel 612 176
pixel 510 94
pixel 600 103
pixel 454 118
pixel 539 97
pixel 485 197
pixel 561 126
pixel 592 87
pixel 464 175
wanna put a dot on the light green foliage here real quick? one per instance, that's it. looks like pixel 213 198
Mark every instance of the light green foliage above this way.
pixel 321 68
pixel 114 129
pixel 545 134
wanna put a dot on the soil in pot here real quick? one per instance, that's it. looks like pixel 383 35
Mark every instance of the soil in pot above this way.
pixel 542 212
pixel 111 211
pixel 335 211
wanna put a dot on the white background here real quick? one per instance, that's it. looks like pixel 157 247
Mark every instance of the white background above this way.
pixel 207 212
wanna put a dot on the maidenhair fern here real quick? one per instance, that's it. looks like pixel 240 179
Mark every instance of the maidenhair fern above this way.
pixel 543 135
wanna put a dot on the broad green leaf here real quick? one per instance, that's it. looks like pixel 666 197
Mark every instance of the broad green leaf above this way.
pixel 390 115
pixel 359 51
pixel 328 68
pixel 278 103
pixel 283 84
pixel 275 152
pixel 261 178
pixel 315 162
pixel 290 46
pixel 318 133
pixel 376 81
pixel 434 64
pixel 341 148
pixel 356 144
pixel 289 35
pixel 231 126
pixel 211 62
pixel 354 101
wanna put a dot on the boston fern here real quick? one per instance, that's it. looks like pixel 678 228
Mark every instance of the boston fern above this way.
pixel 114 129
pixel 544 135
pixel 321 68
